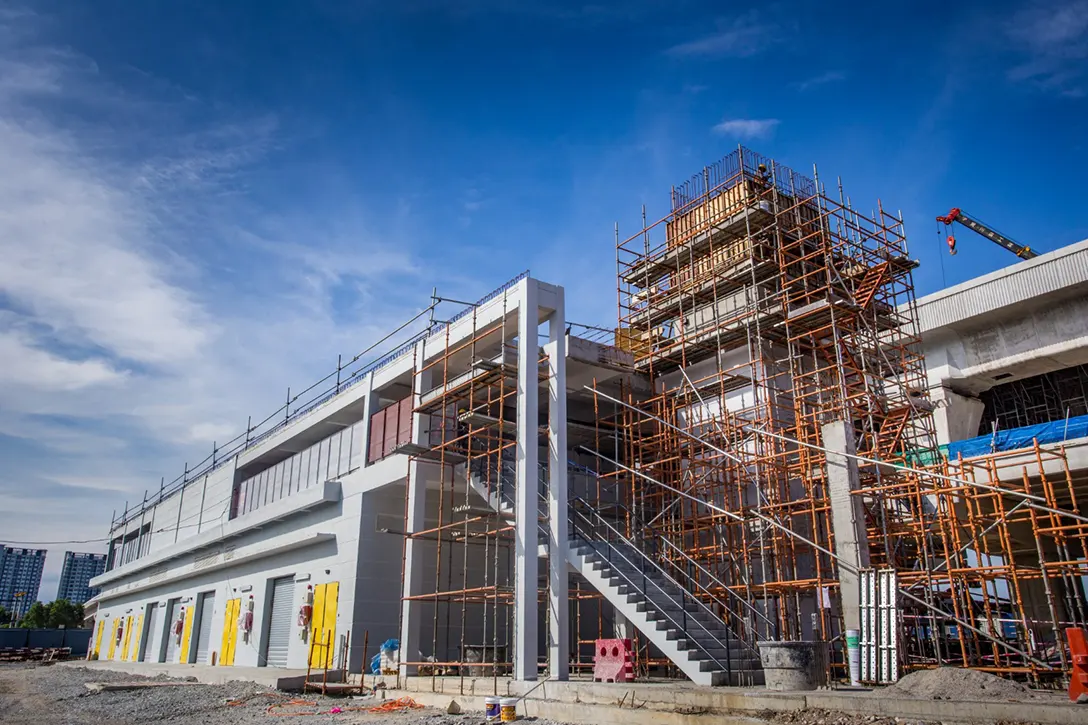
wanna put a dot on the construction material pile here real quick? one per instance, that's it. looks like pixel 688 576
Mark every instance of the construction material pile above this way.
pixel 954 683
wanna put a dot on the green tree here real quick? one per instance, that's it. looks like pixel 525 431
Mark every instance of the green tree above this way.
pixel 63 613
pixel 5 616
pixel 37 617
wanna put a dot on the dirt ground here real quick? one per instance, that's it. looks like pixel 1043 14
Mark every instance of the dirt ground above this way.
pixel 36 695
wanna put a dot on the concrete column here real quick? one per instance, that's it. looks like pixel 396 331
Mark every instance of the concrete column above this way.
pixel 847 515
pixel 956 417
pixel 411 623
pixel 558 539
pixel 526 609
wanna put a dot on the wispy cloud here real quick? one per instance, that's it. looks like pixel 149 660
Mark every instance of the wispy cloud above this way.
pixel 738 37
pixel 821 80
pixel 149 300
pixel 747 128
pixel 1054 38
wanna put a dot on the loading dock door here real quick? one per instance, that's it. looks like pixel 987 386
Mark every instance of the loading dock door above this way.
pixel 171 638
pixel 154 634
pixel 204 629
pixel 279 621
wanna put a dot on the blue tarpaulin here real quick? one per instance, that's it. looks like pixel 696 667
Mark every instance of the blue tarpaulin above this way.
pixel 1010 440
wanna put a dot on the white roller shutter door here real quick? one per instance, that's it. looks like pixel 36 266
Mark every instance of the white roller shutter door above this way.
pixel 204 633
pixel 279 621
pixel 153 638
pixel 172 610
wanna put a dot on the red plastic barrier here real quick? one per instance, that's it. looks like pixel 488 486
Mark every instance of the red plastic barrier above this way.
pixel 1078 649
pixel 614 661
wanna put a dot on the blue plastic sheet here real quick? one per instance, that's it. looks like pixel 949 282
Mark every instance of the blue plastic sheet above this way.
pixel 1012 439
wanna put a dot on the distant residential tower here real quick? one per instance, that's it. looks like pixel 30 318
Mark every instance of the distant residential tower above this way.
pixel 20 577
pixel 79 569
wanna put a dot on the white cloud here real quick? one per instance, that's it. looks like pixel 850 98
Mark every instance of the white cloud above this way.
pixel 821 80
pixel 739 37
pixel 26 365
pixel 126 347
pixel 75 257
pixel 747 128
pixel 1054 38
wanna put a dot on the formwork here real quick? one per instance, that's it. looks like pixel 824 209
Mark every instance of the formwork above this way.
pixel 763 307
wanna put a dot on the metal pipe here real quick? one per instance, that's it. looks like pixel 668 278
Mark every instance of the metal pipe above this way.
pixel 865 459
pixel 843 564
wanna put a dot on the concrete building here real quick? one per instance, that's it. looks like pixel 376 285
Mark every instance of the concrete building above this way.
pixel 20 578
pixel 500 488
pixel 76 574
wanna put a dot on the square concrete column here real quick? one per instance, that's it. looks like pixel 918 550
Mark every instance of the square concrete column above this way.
pixel 558 539
pixel 847 516
pixel 526 506
pixel 411 624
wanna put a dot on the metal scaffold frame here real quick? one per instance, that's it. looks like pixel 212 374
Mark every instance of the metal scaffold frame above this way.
pixel 764 309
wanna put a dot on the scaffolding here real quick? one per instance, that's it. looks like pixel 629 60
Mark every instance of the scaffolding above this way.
pixel 466 394
pixel 763 308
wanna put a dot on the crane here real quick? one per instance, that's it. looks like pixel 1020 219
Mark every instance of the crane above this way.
pixel 958 215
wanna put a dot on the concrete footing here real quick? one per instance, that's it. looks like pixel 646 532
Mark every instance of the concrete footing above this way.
pixel 793 666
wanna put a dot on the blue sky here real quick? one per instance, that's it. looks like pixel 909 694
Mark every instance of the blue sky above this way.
pixel 202 203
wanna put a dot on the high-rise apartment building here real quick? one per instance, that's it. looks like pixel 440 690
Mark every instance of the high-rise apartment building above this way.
pixel 79 569
pixel 20 577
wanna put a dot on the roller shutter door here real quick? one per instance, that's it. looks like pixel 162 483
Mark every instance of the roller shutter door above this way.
pixel 172 611
pixel 153 638
pixel 279 621
pixel 204 633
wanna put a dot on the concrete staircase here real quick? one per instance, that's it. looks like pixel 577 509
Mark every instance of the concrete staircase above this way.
pixel 692 636
pixel 685 631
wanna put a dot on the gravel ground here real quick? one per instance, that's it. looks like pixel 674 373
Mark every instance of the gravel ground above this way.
pixel 33 695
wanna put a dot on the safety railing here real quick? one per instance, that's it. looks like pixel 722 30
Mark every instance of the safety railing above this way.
pixel 343 378
pixel 646 575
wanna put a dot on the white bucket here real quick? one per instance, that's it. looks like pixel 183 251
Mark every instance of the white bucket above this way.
pixel 491 709
pixel 508 707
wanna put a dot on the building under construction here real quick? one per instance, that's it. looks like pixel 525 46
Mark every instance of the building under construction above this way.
pixel 754 452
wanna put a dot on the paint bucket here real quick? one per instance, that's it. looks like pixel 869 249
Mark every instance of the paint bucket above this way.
pixel 491 709
pixel 853 655
pixel 509 709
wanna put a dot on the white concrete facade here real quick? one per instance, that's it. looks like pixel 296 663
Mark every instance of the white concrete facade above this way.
pixel 344 524
pixel 1024 320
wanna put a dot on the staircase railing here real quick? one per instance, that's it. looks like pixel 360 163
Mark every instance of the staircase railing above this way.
pixel 748 634
pixel 593 528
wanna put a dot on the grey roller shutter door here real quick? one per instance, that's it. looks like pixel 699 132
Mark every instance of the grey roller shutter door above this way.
pixel 279 621
pixel 171 638
pixel 204 635
pixel 153 638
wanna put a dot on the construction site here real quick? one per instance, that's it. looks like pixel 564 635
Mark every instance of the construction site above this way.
pixel 776 451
